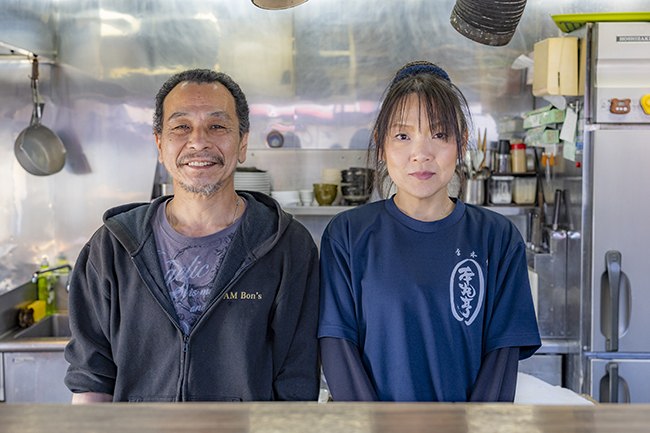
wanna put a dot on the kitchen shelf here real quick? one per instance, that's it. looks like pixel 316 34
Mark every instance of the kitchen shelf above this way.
pixel 509 209
pixel 316 210
pixel 333 210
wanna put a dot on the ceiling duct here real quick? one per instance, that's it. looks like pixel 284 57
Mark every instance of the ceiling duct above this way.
pixel 277 4
pixel 489 22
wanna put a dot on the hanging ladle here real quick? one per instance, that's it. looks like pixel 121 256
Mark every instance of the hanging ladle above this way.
pixel 38 149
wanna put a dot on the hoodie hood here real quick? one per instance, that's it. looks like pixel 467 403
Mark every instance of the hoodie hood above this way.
pixel 263 223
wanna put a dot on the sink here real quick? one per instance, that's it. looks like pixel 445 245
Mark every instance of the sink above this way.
pixel 54 326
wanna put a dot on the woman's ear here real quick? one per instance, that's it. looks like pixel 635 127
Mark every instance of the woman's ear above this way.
pixel 380 151
pixel 463 146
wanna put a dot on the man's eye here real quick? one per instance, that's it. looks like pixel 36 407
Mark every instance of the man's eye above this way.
pixel 180 128
pixel 217 127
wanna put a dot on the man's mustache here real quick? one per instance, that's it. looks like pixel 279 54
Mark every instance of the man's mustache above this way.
pixel 202 156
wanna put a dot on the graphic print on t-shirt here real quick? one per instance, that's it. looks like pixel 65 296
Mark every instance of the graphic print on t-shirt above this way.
pixel 466 289
pixel 190 266
pixel 189 275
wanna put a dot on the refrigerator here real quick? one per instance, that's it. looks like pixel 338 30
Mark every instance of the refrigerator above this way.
pixel 615 281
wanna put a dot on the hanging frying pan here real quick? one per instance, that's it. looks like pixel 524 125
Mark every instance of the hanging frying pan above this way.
pixel 38 149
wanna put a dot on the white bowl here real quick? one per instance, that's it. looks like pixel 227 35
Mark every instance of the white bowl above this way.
pixel 286 198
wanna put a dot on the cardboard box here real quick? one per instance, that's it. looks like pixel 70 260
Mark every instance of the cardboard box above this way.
pixel 543 116
pixel 556 67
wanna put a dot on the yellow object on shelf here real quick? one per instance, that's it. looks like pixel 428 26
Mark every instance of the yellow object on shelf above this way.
pixel 39 310
pixel 570 22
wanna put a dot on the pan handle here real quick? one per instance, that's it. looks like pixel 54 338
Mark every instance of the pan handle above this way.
pixel 35 68
pixel 37 112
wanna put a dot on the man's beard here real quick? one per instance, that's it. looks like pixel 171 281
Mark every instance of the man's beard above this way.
pixel 204 190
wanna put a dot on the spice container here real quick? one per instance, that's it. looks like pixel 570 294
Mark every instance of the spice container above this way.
pixel 503 157
pixel 501 189
pixel 518 157
pixel 524 190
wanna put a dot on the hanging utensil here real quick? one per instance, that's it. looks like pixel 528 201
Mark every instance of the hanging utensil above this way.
pixel 38 149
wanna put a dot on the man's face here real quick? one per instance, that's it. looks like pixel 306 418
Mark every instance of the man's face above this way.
pixel 200 144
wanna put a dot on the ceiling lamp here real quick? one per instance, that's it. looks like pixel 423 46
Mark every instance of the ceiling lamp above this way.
pixel 277 4
pixel 489 22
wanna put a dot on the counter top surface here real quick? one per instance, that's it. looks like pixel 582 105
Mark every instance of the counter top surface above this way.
pixel 318 417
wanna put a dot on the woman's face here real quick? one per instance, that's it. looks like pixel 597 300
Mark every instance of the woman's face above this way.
pixel 419 161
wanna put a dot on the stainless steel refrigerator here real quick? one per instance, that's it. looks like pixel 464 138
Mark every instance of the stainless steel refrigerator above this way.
pixel 615 331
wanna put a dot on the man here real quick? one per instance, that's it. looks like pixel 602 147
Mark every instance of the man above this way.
pixel 210 294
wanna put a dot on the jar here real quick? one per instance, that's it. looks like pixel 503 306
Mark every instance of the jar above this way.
pixel 518 156
pixel 524 190
pixel 501 189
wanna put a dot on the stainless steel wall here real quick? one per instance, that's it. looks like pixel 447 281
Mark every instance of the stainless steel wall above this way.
pixel 314 72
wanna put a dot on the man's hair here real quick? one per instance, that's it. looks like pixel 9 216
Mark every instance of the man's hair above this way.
pixel 203 76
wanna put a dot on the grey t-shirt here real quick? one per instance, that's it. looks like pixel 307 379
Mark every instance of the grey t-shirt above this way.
pixel 190 266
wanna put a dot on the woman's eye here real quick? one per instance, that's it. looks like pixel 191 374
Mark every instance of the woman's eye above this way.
pixel 440 136
pixel 401 136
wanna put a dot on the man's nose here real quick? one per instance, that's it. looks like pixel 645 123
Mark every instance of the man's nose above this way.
pixel 199 138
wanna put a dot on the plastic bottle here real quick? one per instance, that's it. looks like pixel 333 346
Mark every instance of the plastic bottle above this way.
pixel 46 288
pixel 518 157
pixel 63 274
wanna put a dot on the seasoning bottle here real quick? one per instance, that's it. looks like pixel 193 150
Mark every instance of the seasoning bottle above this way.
pixel 490 154
pixel 45 287
pixel 503 157
pixel 518 157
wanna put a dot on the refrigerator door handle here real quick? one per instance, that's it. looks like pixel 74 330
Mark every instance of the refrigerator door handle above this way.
pixel 610 301
pixel 610 384
pixel 612 372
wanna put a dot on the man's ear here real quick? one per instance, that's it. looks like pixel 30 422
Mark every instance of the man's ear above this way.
pixel 157 139
pixel 243 148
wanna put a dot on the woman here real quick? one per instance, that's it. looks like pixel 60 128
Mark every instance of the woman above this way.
pixel 423 298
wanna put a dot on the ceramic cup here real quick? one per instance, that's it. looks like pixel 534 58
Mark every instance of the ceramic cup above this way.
pixel 306 196
pixel 325 193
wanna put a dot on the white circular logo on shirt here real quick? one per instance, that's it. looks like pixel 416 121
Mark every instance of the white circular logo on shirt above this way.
pixel 466 291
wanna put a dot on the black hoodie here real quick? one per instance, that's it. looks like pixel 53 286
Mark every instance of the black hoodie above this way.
pixel 255 341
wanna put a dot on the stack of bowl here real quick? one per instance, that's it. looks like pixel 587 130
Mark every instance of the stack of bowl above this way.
pixel 356 185
pixel 252 179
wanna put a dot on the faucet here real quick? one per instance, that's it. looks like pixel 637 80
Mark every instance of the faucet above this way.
pixel 56 268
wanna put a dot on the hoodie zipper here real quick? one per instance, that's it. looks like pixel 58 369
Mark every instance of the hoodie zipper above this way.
pixel 182 391
pixel 181 384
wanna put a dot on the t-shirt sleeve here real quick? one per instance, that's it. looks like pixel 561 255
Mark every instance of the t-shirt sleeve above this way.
pixel 513 322
pixel 337 306
pixel 497 378
pixel 344 372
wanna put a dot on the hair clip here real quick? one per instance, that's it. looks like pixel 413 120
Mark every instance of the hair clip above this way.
pixel 421 68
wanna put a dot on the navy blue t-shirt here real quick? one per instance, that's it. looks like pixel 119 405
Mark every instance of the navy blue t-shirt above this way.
pixel 425 301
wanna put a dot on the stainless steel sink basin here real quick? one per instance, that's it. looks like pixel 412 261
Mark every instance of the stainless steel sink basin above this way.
pixel 54 326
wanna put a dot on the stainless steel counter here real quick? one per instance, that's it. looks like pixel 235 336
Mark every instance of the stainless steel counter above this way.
pixel 330 417
pixel 33 345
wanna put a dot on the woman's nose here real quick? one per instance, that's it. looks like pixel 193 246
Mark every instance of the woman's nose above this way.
pixel 422 151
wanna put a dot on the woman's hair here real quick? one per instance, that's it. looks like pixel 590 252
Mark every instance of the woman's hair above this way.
pixel 203 76
pixel 446 109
